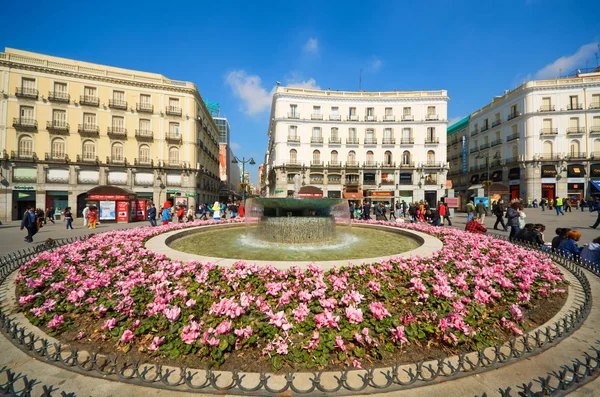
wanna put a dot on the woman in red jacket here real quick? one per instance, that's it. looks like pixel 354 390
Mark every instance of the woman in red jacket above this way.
pixel 93 217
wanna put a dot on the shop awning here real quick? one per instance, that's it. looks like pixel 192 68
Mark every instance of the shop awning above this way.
pixel 575 170
pixel 353 195
pixel 110 193
pixel 475 187
pixel 310 192
pixel 548 171
pixel 595 185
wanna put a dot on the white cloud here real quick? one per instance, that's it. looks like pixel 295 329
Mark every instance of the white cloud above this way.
pixel 566 64
pixel 311 46
pixel 310 84
pixel 235 146
pixel 454 120
pixel 250 90
pixel 375 64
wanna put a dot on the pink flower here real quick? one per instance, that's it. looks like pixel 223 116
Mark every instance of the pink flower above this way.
pixel 515 310
pixel 127 336
pixel 398 335
pixel 172 314
pixel 339 342
pixel 314 341
pixel 156 341
pixel 243 332
pixel 281 346
pixel 213 341
pixel 327 319
pixel 56 321
pixel 327 303
pixel 280 321
pixel 354 315
pixel 374 286
pixel 190 333
pixel 378 310
pixel 300 312
pixel 81 335
pixel 190 303
pixel 109 324
pixel 356 364
pixel 223 328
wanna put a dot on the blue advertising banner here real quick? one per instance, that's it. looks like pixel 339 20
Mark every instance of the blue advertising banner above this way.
pixel 464 154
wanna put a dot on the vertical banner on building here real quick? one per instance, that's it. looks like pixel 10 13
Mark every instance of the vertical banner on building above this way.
pixel 122 211
pixel 140 213
pixel 464 154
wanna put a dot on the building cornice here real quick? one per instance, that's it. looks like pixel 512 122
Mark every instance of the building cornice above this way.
pixel 352 99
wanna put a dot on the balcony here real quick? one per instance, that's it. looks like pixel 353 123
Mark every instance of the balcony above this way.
pixel 352 141
pixel 575 130
pixel 595 129
pixel 21 123
pixel 117 132
pixel 389 118
pixel 316 116
pixel 595 155
pixel 408 117
pixel 316 163
pixel 31 156
pixel 473 150
pixel 88 129
pixel 407 164
pixel 143 162
pixel 293 163
pixel 513 115
pixel 389 141
pixel 549 131
pixel 56 157
pixel 334 181
pixel 173 137
pixel 484 146
pixel 496 122
pixel 88 158
pixel 513 137
pixel 144 134
pixel 370 141
pixel 30 93
pixel 547 108
pixel 431 117
pixel 334 164
pixel 57 127
pixel 353 164
pixel 370 118
pixel 511 160
pixel 577 156
pixel 433 164
pixel 352 117
pixel 550 156
pixel 144 107
pixel 316 181
pixel 335 141
pixel 293 115
pixel 430 140
pixel 370 164
pixel 293 139
pixel 352 182
pixel 595 105
pixel 391 164
pixel 316 139
pixel 172 164
pixel 407 141
pixel 117 104
pixel 405 181
pixel 59 96
pixel 87 100
pixel 173 111
pixel 116 160
pixel 577 106
pixel 474 132
pixel 484 128
pixel 496 142
pixel 335 117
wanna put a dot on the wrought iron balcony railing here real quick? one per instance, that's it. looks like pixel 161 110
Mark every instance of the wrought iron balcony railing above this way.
pixel 23 155
pixel 173 111
pixel 408 117
pixel 117 104
pixel 370 141
pixel 595 105
pixel 547 108
pixel 576 106
pixel 117 131
pixel 23 92
pixel 116 160
pixel 575 130
pixel 513 115
pixel 22 123
pixel 353 117
pixel 549 131
pixel 370 118
pixel 595 129
pixel 143 162
pixel 316 163
pixel 316 116
pixel 370 164
pixel 513 137
pixel 352 164
pixel 91 129
pixel 389 164
pixel 144 134
pixel 431 117
pixel 88 100
pixel 335 117
pixel 142 107
pixel 389 117
pixel 352 141
pixel 407 164
pixel 496 122
pixel 389 141
pixel 484 128
pixel 316 139
pixel 335 141
pixel 407 141
pixel 293 115
pixel 431 140
pixel 484 146
pixel 171 136
pixel 496 142
pixel 577 155
pixel 294 139
pixel 59 96
pixel 57 126
pixel 61 157
pixel 334 164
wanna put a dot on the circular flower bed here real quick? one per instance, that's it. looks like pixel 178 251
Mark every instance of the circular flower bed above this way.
pixel 112 291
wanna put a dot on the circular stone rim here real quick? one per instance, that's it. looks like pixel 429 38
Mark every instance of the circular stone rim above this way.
pixel 160 244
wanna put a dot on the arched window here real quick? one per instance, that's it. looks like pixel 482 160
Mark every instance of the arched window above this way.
pixel 387 158
pixel 430 157
pixel 370 158
pixel 574 149
pixel 316 157
pixel 144 154
pixel 116 152
pixel 26 146
pixel 89 150
pixel 293 156
pixel 406 157
pixel 547 150
pixel 173 155
pixel 351 157
pixel 334 157
pixel 57 150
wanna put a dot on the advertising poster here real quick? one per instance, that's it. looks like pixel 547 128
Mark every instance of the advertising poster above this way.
pixel 140 213
pixel 181 201
pixel 122 211
pixel 485 201
pixel 452 202
pixel 387 178
pixel 107 210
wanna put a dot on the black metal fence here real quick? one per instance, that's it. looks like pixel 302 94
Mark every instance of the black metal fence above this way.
pixel 569 377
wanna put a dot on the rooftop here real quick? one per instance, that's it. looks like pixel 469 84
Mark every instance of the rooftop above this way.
pixel 459 125
pixel 361 94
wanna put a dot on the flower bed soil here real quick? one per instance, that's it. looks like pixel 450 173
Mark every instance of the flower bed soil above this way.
pixel 111 295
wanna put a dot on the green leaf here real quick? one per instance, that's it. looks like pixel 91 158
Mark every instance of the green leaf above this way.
pixel 342 356
pixel 359 352
pixel 223 344
pixel 174 354
pixel 277 363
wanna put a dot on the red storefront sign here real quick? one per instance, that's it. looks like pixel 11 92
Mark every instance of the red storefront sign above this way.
pixel 382 194
pixel 122 211
pixel 107 197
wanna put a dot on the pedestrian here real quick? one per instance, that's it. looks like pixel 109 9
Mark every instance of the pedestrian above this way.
pixel 499 212
pixel 475 226
pixel 234 210
pixel 50 214
pixel 470 208
pixel 592 203
pixel 591 252
pixel 412 211
pixel 535 203
pixel 404 209
pixel 567 205
pixel 216 211
pixel 203 212
pixel 69 218
pixel 29 222
pixel 582 204
pixel 569 247
pixel 558 205
pixel 481 211
pixel 543 204
pixel 223 213
pixel 446 215
pixel 434 217
pixel 512 214
pixel 366 210
pixel 561 233
pixel 595 225
pixel 86 221
pixel 393 213
pixel 151 214
pixel 40 217
pixel 93 217
pixel 166 215
pixel 241 210
pixel 351 209
pixel 190 214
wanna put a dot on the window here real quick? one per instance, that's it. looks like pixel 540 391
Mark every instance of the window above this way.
pixel 59 118
pixel 174 130
pixel 334 157
pixel 515 152
pixel 370 136
pixel 596 122
pixel 547 125
pixel 60 89
pixel 352 135
pixel 118 96
pixel 430 157
pixel 485 125
pixel 293 132
pixel 547 149
pixel 514 129
pixel 430 134
pixel 27 116
pixel 26 147
pixel 89 150
pixel 173 155
pixel 89 121
pixel 316 109
pixel 89 92
pixel 574 124
pixel 144 154
pixel 28 85
pixel 406 134
pixel 57 150
pixel 498 136
pixel 352 112
pixel 387 135
pixel 293 110
pixel 174 102
pixel 513 111
pixel 293 156
pixel 316 132
pixel 595 101
pixel 370 115
pixel 406 111
pixel 145 125
pixel 389 112
pixel 574 149
pixel 334 134
pixel 118 124
pixel 406 157
pixel 351 156
pixel 316 159
pixel 597 145
pixel 145 99
pixel 546 104
pixel 335 111
pixel 370 157
pixel 430 110
pixel 387 158
pixel 573 102
pixel 116 152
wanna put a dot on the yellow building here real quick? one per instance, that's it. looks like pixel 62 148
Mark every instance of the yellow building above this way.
pixel 67 126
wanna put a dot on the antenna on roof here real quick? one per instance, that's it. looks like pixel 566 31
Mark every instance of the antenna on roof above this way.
pixel 360 81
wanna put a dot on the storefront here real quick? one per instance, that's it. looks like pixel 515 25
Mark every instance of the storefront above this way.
pixel 514 182
pixel 116 204
pixel 575 182
pixel 59 200
pixel 23 197
pixel 594 182
pixel 431 197
pixel 382 196
pixel 549 181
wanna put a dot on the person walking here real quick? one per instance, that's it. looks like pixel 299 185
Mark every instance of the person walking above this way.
pixel 166 216
pixel 393 213
pixel 93 217
pixel 50 214
pixel 412 211
pixel 543 204
pixel 470 208
pixel 69 218
pixel 481 211
pixel 29 222
pixel 447 214
pixel 567 205
pixel 499 212
pixel 85 212
pixel 513 219
pixel 366 211
pixel 203 212
pixel 241 210
pixel 582 204
pixel 404 209
pixel 190 214
pixel 151 214
pixel 558 205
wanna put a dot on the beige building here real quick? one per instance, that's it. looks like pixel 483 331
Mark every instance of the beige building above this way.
pixel 387 146
pixel 67 126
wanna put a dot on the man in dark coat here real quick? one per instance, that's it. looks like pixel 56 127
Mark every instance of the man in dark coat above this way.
pixel 499 212
pixel 29 222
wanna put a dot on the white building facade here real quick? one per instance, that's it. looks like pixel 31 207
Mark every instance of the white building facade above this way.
pixel 540 140
pixel 386 146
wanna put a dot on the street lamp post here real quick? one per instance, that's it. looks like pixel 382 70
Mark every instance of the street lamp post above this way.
pixel 244 162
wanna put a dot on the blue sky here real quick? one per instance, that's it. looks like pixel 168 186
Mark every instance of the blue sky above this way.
pixel 236 51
